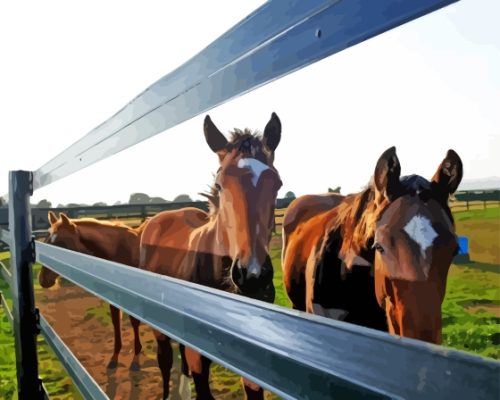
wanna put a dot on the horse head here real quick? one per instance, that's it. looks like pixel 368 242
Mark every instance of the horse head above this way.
pixel 246 186
pixel 411 231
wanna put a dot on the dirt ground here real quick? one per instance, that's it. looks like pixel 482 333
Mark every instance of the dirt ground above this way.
pixel 91 340
pixel 83 323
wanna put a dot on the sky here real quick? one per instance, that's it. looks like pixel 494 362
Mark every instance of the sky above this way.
pixel 424 87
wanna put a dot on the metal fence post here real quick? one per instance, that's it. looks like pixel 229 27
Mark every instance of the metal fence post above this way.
pixel 26 326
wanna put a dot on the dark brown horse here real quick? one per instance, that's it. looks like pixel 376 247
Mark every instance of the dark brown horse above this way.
pixel 227 248
pixel 108 240
pixel 381 257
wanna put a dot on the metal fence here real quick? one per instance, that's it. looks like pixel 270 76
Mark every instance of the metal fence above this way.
pixel 290 353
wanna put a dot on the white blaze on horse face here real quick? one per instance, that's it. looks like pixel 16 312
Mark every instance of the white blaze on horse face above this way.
pixel 53 238
pixel 420 230
pixel 256 166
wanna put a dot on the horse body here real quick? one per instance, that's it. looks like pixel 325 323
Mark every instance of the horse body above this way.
pixel 303 223
pixel 111 241
pixel 173 230
pixel 379 258
pixel 228 247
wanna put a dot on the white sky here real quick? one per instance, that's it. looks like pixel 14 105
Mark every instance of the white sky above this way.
pixel 65 67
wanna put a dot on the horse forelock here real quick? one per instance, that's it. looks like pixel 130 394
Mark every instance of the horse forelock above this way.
pixel 415 185
pixel 249 144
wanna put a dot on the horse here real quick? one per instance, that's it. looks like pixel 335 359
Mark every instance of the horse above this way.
pixel 108 240
pixel 380 258
pixel 226 248
pixel 304 207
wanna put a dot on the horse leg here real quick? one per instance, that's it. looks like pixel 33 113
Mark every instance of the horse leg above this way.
pixel 200 369
pixel 184 386
pixel 134 366
pixel 165 359
pixel 116 316
pixel 184 363
pixel 252 390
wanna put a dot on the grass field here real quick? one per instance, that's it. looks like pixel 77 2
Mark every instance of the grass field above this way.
pixel 471 310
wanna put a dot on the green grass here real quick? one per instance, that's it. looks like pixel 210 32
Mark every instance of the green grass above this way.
pixel 100 313
pixel 281 296
pixel 471 321
pixel 487 213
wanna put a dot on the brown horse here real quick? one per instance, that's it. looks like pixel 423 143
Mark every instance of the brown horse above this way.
pixel 304 207
pixel 227 248
pixel 109 240
pixel 381 257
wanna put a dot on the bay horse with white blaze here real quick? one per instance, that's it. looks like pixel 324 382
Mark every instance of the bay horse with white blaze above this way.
pixel 111 241
pixel 380 258
pixel 227 248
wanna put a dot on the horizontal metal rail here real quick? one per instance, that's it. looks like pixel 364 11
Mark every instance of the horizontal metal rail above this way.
pixel 5 306
pixel 6 275
pixel 277 39
pixel 290 353
pixel 5 236
pixel 87 386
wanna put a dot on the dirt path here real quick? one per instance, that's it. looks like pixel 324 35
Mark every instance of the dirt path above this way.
pixel 90 338
pixel 83 322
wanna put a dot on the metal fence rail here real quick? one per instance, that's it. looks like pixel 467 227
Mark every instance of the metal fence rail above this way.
pixel 87 386
pixel 291 353
pixel 6 308
pixel 278 38
pixel 6 275
pixel 5 236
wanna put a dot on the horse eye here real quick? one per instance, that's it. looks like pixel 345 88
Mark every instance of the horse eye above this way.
pixel 218 187
pixel 378 247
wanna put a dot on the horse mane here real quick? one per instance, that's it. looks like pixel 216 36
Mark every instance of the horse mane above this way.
pixel 356 218
pixel 245 142
pixel 143 224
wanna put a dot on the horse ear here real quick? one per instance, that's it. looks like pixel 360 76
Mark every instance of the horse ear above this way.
pixel 215 139
pixel 387 173
pixel 52 217
pixel 449 173
pixel 272 132
pixel 64 218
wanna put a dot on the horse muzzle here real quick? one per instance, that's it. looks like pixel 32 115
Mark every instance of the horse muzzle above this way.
pixel 249 283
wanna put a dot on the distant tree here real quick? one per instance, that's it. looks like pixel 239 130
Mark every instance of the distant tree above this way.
pixel 44 204
pixel 290 195
pixel 157 200
pixel 117 203
pixel 99 204
pixel 336 190
pixel 139 198
pixel 182 198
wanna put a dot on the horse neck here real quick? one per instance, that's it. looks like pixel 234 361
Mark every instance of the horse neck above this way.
pixel 213 237
pixel 103 240
pixel 207 259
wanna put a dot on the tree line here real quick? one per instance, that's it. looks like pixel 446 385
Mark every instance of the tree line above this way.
pixel 137 198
